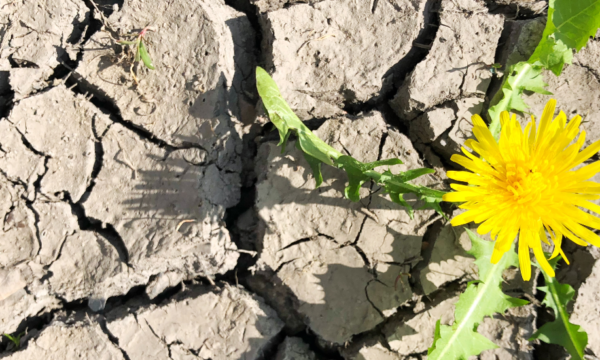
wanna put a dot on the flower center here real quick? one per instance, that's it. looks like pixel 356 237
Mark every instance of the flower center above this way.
pixel 524 184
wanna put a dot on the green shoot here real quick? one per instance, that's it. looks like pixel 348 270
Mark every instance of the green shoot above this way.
pixel 568 28
pixel 481 298
pixel 518 78
pixel 561 332
pixel 316 152
pixel 140 52
pixel 16 339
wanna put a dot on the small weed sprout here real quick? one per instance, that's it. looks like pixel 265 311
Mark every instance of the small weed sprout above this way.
pixel 140 51
pixel 16 339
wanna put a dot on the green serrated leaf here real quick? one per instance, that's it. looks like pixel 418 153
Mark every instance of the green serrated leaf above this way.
pixel 284 140
pixel 552 54
pixel 395 185
pixel 569 26
pixel 315 166
pixel 413 174
pixel 433 203
pixel 561 332
pixel 436 336
pixel 285 120
pixel 144 56
pixel 519 77
pixel 449 347
pixel 316 151
pixel 399 199
pixel 316 147
pixel 481 298
pixel 575 21
pixel 389 162
pixel 356 177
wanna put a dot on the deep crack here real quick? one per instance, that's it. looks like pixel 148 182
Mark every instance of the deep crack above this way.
pixel 113 339
pixel 363 256
pixel 36 216
pixel 296 242
pixel 98 161
pixel 397 74
pixel 371 302
pixel 113 112
pixel 107 231
pixel 283 264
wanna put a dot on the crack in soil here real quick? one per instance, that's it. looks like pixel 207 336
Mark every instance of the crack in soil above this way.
pixel 294 243
pixel 114 114
pixel 392 81
pixel 397 74
pixel 406 313
pixel 161 340
pixel 589 69
pixel 98 162
pixel 36 216
pixel 512 11
pixel 113 339
pixel 107 231
pixel 364 257
pixel 371 302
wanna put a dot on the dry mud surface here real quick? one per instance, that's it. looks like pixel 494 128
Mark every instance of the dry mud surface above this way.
pixel 160 220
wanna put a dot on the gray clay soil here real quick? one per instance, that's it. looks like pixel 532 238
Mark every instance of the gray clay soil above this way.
pixel 160 220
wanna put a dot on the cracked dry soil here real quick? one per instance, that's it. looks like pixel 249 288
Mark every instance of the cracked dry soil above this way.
pixel 161 221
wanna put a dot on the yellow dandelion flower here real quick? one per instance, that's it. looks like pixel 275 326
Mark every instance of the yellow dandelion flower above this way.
pixel 525 185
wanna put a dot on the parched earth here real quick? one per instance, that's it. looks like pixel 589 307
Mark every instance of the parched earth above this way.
pixel 159 219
